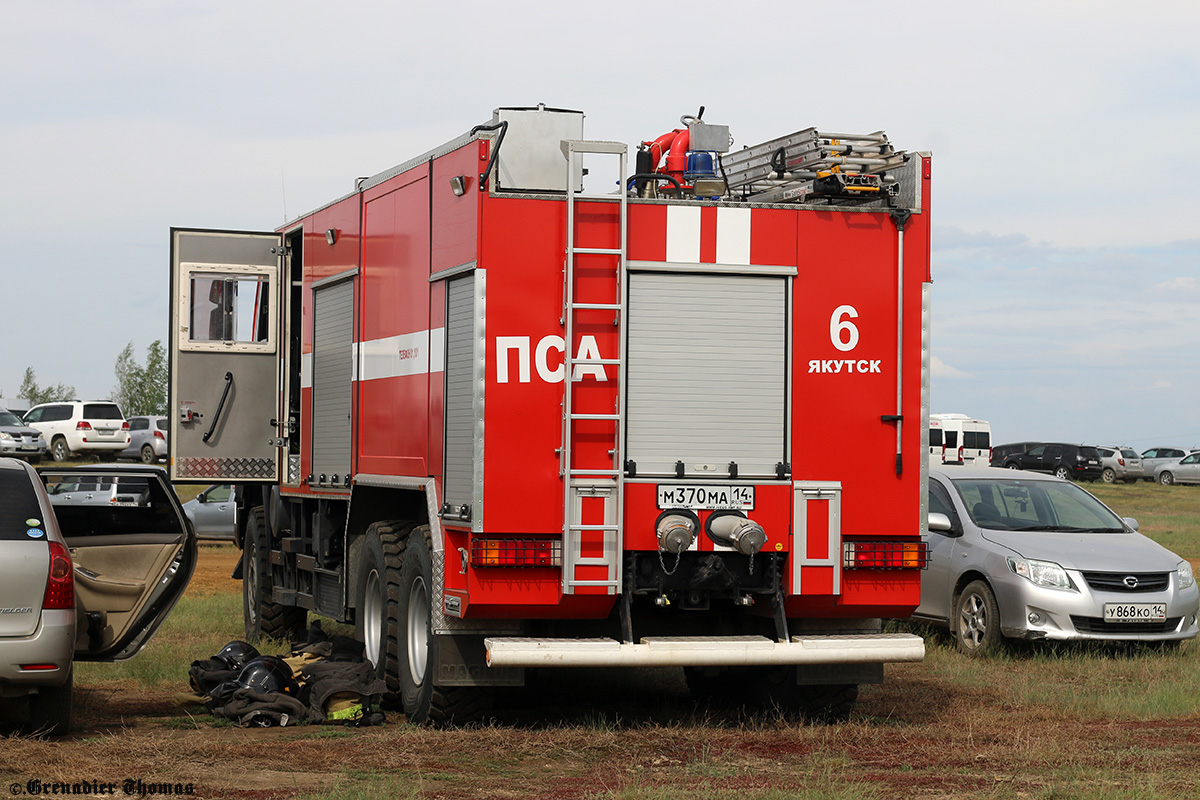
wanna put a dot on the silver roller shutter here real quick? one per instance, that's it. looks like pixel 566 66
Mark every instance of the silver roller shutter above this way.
pixel 706 373
pixel 460 416
pixel 333 363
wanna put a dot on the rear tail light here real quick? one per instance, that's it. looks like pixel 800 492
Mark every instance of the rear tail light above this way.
pixel 83 425
pixel 159 435
pixel 960 453
pixel 884 555
pixel 989 455
pixel 1120 461
pixel 516 552
pixel 125 425
pixel 60 588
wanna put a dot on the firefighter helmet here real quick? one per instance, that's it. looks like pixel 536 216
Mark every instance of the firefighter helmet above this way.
pixel 236 654
pixel 267 674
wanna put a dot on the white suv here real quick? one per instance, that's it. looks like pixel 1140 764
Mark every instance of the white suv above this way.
pixel 80 427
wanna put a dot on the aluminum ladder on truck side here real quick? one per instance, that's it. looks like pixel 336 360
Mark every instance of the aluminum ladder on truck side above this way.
pixel 598 483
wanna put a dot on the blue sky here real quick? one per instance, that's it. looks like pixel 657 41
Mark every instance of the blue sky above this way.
pixel 1066 252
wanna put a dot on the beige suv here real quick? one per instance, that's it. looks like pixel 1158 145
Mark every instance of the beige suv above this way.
pixel 76 426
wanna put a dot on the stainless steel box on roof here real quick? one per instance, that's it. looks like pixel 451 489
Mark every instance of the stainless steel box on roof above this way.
pixel 530 158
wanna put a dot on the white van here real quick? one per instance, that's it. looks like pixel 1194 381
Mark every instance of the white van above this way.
pixel 958 439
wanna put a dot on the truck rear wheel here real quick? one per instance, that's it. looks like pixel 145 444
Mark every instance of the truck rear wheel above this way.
pixel 422 700
pixel 776 688
pixel 377 619
pixel 261 616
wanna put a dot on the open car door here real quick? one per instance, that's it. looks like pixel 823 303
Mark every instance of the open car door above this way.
pixel 133 551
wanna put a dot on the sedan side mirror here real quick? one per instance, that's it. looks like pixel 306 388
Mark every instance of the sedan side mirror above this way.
pixel 1131 522
pixel 939 522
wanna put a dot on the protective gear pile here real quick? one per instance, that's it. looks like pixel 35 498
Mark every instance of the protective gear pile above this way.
pixel 322 680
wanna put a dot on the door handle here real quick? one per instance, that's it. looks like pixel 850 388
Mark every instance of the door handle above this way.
pixel 220 406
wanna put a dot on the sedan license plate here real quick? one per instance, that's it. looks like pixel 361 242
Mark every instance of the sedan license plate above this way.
pixel 1135 612
pixel 713 497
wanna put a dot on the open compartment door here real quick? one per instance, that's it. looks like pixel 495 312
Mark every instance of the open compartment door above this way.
pixel 224 392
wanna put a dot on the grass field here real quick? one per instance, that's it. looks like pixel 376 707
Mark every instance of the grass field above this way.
pixel 1070 722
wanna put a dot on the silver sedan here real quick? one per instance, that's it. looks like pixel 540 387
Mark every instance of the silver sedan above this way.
pixel 1031 557
pixel 1185 470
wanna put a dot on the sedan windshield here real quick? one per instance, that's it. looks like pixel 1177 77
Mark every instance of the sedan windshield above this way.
pixel 1034 505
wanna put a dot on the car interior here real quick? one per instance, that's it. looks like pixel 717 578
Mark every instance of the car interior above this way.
pixel 121 552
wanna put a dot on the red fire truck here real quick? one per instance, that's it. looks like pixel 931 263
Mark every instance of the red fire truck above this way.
pixel 499 418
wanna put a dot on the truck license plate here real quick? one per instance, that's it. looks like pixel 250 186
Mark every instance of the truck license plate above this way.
pixel 712 497
pixel 1135 612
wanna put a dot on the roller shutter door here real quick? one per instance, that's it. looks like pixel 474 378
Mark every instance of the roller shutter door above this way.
pixel 333 363
pixel 706 374
pixel 460 416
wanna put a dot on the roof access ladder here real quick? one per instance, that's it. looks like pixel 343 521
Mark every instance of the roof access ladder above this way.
pixel 593 492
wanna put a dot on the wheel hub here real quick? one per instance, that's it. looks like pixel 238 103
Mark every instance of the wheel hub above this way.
pixel 373 618
pixel 418 632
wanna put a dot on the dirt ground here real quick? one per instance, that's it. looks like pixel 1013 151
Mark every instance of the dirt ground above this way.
pixel 213 569
pixel 613 735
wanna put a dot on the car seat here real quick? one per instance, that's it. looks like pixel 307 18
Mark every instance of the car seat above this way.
pixel 985 512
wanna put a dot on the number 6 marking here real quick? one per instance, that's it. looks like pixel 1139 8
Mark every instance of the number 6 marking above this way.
pixel 836 327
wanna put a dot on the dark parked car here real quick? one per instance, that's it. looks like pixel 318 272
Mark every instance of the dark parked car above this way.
pixel 1001 452
pixel 1068 461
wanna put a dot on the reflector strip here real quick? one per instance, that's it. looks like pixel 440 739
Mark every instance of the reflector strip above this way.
pixel 885 555
pixel 516 552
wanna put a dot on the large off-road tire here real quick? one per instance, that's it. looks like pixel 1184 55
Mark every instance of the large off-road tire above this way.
pixel 977 620
pixel 377 615
pixel 422 700
pixel 51 708
pixel 264 617
pixel 708 686
pixel 776 688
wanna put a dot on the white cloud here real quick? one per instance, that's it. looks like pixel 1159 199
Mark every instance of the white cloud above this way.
pixel 1184 283
pixel 940 369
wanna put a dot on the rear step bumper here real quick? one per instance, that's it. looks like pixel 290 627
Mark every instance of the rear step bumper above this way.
pixel 705 651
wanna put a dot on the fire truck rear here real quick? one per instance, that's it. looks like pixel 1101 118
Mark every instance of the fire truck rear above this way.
pixel 499 417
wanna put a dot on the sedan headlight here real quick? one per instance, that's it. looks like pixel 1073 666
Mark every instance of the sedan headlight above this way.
pixel 1186 578
pixel 1042 573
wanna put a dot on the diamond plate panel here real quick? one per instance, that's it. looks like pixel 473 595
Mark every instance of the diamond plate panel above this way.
pixel 220 468
pixel 443 624
pixel 293 469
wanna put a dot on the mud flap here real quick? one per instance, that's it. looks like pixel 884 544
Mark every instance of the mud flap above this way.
pixel 459 660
